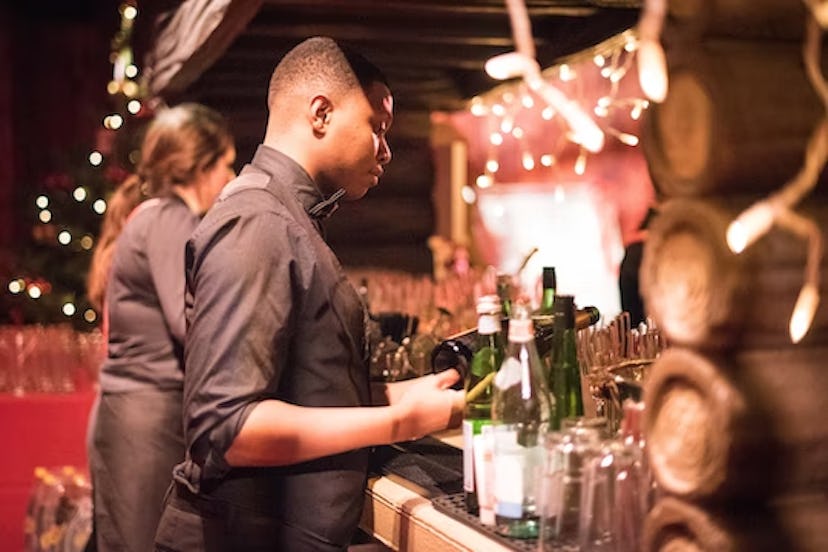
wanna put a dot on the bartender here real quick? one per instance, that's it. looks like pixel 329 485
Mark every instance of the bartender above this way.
pixel 278 413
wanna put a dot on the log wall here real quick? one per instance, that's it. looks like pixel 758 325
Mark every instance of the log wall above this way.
pixel 735 418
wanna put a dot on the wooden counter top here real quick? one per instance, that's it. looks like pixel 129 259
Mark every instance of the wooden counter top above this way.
pixel 405 520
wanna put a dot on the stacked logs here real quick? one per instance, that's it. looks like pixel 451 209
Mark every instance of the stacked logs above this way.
pixel 736 414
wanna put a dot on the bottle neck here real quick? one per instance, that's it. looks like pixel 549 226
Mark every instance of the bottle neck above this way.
pixel 547 301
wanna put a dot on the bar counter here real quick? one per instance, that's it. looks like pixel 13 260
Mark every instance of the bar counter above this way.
pixel 404 518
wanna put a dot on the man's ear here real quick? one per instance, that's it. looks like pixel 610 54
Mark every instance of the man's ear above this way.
pixel 320 113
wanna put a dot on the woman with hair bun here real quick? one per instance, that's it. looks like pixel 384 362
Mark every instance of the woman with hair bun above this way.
pixel 137 280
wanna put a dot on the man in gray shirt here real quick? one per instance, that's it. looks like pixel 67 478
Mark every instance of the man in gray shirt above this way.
pixel 278 411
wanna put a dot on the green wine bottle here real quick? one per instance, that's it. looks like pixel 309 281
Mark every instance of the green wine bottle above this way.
pixel 478 384
pixel 565 372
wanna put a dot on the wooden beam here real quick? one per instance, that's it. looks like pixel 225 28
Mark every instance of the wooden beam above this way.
pixel 195 35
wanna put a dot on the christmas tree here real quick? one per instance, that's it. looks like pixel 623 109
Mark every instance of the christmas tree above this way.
pixel 47 285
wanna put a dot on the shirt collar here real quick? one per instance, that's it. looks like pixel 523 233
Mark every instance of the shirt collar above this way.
pixel 289 172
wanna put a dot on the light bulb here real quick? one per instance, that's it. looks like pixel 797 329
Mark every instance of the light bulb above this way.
pixel 803 313
pixel 68 309
pixel 42 201
pixel 468 194
pixel 509 65
pixel 492 165
pixel 484 181
pixel 34 291
pixel 749 226
pixel 95 158
pixel 528 161
pixel 652 70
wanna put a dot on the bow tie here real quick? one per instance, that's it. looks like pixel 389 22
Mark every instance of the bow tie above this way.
pixel 326 208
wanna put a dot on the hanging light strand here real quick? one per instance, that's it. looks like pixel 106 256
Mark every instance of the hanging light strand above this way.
pixel 777 209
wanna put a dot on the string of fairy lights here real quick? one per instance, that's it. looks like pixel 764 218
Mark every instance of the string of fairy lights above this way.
pixel 570 123
pixel 127 93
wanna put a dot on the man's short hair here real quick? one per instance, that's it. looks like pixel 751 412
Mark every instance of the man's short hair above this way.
pixel 320 60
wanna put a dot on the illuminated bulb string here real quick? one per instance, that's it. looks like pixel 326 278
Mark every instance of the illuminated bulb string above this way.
pixel 777 209
pixel 612 58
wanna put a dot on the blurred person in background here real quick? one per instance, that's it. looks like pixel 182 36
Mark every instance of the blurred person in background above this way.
pixel 137 280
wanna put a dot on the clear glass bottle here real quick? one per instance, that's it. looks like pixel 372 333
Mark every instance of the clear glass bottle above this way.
pixel 485 362
pixel 565 372
pixel 521 412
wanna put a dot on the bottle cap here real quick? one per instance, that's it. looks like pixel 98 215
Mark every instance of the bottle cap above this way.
pixel 549 278
pixel 488 304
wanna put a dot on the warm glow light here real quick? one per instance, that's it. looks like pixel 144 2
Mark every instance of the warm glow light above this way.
pixel 506 125
pixel 86 242
pixel 64 237
pixel 42 201
pixel 749 226
pixel 484 181
pixel 478 108
pixel 113 87
pixel 68 309
pixel 134 106
pixel 580 164
pixel 492 165
pixel 566 73
pixel 131 71
pixel 606 72
pixel 16 286
pixel 509 65
pixel 584 130
pixel 599 60
pixel 547 159
pixel 517 132
pixel 528 161
pixel 652 70
pixel 547 113
pixel 95 158
pixel 624 137
pixel 498 110
pixel 90 316
pixel 99 206
pixel 468 194
pixel 130 89
pixel 130 12
pixel 638 108
pixel 496 138
pixel 79 193
pixel 527 101
pixel 113 122
pixel 45 216
pixel 601 111
pixel 803 313
pixel 34 291
pixel 508 97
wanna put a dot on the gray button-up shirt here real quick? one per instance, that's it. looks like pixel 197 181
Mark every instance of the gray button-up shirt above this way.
pixel 271 315
pixel 145 299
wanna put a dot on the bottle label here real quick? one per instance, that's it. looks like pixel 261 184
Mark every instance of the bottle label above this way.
pixel 488 324
pixel 471 427
pixel 516 474
pixel 520 330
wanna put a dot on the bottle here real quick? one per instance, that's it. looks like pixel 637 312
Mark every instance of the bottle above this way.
pixel 550 283
pixel 565 371
pixel 521 412
pixel 503 283
pixel 456 351
pixel 478 385
pixel 545 314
